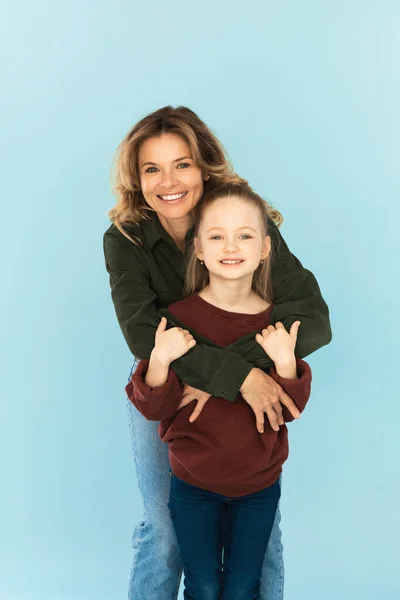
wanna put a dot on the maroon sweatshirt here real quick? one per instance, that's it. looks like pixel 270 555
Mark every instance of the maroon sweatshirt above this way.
pixel 222 451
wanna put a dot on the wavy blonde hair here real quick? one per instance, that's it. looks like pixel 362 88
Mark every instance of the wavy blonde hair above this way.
pixel 206 151
pixel 197 275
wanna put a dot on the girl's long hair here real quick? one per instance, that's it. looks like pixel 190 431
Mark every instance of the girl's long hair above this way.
pixel 206 150
pixel 197 275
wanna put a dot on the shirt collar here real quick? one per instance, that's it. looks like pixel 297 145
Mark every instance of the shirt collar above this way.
pixel 154 232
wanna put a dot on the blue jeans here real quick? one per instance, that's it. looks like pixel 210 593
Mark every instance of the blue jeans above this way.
pixel 157 563
pixel 222 539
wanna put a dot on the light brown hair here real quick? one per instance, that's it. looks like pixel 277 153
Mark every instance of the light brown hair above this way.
pixel 197 275
pixel 206 150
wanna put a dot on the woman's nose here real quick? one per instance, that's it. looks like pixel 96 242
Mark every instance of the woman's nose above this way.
pixel 168 179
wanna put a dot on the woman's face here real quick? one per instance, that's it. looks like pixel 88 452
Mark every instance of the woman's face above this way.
pixel 171 182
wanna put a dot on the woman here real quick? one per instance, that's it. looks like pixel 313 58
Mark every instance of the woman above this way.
pixel 164 166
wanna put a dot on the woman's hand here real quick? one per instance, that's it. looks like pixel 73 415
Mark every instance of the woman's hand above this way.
pixel 190 394
pixel 171 344
pixel 264 395
pixel 279 344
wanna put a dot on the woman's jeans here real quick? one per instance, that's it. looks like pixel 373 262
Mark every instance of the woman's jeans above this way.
pixel 222 539
pixel 157 564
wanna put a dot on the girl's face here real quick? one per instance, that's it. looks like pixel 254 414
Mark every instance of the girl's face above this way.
pixel 171 182
pixel 231 239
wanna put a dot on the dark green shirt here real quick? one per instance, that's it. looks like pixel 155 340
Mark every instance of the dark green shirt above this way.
pixel 150 277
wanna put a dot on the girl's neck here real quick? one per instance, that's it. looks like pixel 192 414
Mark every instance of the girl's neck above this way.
pixel 233 296
pixel 177 228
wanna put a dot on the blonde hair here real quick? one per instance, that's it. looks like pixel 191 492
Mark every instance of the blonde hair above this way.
pixel 206 150
pixel 197 275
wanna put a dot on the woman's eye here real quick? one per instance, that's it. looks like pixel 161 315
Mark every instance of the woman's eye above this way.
pixel 183 165
pixel 246 236
pixel 151 170
pixel 216 237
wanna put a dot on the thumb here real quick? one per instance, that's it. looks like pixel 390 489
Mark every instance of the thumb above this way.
pixel 162 325
pixel 294 329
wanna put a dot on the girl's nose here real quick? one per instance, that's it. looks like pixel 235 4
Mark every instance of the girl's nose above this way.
pixel 231 247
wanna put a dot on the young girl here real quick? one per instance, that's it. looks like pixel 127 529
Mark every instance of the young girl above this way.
pixel 224 473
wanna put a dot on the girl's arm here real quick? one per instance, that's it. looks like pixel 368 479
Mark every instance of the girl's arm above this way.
pixel 154 389
pixel 298 387
pixel 155 403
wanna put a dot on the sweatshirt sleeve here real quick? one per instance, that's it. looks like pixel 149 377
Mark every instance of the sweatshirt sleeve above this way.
pixel 214 370
pixel 298 389
pixel 157 403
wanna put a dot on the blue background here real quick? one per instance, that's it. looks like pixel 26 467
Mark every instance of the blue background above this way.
pixel 305 96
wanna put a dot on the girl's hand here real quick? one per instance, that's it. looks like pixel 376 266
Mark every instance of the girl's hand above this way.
pixel 278 343
pixel 171 344
pixel 190 394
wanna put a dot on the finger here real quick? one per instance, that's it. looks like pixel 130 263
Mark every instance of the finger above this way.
pixel 259 419
pixel 191 344
pixel 270 328
pixel 259 338
pixel 288 402
pixel 294 329
pixel 272 418
pixel 277 408
pixel 279 325
pixel 162 325
pixel 197 411
pixel 185 401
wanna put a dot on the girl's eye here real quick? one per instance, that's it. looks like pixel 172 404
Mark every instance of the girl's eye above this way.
pixel 151 170
pixel 215 237
pixel 246 236
pixel 183 165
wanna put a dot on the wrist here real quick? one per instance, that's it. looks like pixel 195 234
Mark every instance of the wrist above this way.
pixel 158 360
pixel 287 368
pixel 247 382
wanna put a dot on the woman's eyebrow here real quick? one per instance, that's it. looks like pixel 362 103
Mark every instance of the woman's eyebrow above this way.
pixel 156 165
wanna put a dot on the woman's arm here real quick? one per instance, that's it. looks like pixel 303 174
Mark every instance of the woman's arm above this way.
pixel 214 370
pixel 297 297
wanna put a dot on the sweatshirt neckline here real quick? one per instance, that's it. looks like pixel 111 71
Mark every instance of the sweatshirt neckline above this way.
pixel 231 316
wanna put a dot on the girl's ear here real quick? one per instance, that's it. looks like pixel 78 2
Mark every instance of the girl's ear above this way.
pixel 266 248
pixel 197 248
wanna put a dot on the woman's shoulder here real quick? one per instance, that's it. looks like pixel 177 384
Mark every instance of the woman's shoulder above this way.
pixel 134 238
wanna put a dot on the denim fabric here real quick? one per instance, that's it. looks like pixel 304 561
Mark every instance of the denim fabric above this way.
pixel 157 564
pixel 223 540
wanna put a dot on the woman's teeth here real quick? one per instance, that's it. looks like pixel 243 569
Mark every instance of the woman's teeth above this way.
pixel 173 196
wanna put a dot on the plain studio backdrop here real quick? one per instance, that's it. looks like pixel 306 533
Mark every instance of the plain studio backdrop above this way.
pixel 305 97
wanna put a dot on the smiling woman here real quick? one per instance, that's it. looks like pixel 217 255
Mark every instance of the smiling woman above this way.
pixel 164 166
pixel 172 183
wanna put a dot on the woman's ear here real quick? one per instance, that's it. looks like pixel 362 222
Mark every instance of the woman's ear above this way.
pixel 197 248
pixel 266 248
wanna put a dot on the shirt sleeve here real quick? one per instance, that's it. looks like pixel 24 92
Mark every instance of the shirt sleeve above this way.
pixel 217 371
pixel 297 297
pixel 157 403
pixel 298 389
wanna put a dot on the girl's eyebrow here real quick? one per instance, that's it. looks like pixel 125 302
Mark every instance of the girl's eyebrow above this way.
pixel 243 227
pixel 156 165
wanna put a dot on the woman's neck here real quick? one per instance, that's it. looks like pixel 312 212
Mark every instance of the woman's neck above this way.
pixel 233 296
pixel 177 228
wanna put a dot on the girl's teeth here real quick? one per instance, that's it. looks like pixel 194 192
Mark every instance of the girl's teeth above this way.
pixel 231 262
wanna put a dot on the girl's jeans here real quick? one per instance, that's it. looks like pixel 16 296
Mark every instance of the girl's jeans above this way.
pixel 157 564
pixel 206 524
